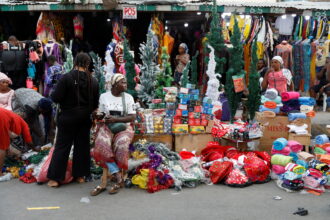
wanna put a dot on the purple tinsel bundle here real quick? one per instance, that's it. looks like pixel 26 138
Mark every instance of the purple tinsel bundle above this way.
pixel 155 160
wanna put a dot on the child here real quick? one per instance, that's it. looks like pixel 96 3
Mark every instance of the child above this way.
pixel 54 73
pixel 181 61
pixel 6 93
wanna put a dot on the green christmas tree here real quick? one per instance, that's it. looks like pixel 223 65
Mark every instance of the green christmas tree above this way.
pixel 184 78
pixel 149 70
pixel 164 78
pixel 216 40
pixel 130 70
pixel 254 88
pixel 98 71
pixel 236 68
pixel 193 67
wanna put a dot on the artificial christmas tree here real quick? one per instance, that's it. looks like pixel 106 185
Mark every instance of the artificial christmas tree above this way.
pixel 184 78
pixel 98 71
pixel 254 88
pixel 193 67
pixel 213 82
pixel 236 69
pixel 216 40
pixel 149 70
pixel 130 70
pixel 164 78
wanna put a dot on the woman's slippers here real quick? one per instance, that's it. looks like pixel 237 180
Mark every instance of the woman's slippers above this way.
pixel 97 190
pixel 80 180
pixel 53 184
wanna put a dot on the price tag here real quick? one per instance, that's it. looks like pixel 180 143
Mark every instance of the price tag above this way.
pixel 129 12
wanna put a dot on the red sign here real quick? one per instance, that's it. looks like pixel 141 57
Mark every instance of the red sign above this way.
pixel 129 12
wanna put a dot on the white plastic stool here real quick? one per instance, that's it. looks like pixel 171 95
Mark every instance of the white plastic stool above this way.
pixel 325 101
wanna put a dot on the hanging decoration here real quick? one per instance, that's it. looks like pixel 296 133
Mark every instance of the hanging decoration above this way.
pixel 130 70
pixel 78 25
pixel 45 29
pixel 236 69
pixel 254 88
pixel 68 64
pixel 213 83
pixel 149 70
pixel 164 78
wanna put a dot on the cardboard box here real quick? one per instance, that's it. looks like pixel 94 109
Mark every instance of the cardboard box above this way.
pixel 275 128
pixel 302 139
pixel 192 142
pixel 161 138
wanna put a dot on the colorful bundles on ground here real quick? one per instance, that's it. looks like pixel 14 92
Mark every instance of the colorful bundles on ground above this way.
pixel 281 160
pixel 280 143
pixel 295 146
pixel 286 96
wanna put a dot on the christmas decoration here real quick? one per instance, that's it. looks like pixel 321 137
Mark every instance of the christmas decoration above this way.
pixel 216 40
pixel 184 78
pixel 164 78
pixel 193 67
pixel 254 88
pixel 236 68
pixel 213 83
pixel 130 70
pixel 98 71
pixel 149 70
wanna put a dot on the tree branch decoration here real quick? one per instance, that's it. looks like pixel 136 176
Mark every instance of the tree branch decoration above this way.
pixel 164 78
pixel 185 78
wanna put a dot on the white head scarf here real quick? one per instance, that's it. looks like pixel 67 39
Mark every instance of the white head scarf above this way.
pixel 279 59
pixel 116 78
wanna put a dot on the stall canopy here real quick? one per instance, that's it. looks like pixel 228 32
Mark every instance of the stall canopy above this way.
pixel 240 6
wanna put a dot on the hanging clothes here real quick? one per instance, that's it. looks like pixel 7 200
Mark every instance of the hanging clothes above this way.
pixel 306 64
pixel 168 41
pixel 78 25
pixel 45 29
pixel 285 51
pixel 284 25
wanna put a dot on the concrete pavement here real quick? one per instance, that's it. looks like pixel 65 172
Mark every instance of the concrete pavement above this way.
pixel 204 202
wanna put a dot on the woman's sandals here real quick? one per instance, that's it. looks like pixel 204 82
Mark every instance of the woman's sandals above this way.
pixel 97 190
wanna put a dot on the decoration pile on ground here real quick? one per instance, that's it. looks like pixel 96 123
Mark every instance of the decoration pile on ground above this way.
pixel 231 167
pixel 33 166
pixel 154 167
pixel 297 170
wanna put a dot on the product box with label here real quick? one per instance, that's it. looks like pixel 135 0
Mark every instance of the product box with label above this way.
pixel 192 142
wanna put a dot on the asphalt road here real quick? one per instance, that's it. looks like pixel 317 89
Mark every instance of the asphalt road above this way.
pixel 204 202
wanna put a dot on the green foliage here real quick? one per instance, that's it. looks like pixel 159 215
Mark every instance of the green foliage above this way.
pixel 193 68
pixel 130 70
pixel 164 78
pixel 98 72
pixel 236 68
pixel 184 78
pixel 149 70
pixel 254 88
pixel 216 40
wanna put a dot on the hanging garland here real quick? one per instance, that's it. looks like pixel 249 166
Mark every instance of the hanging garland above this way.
pixel 254 88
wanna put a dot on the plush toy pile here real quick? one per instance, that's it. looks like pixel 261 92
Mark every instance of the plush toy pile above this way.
pixel 297 170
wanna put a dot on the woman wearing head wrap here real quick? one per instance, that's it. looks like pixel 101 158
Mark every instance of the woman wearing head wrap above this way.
pixel 29 104
pixel 118 106
pixel 181 61
pixel 77 94
pixel 6 93
pixel 277 77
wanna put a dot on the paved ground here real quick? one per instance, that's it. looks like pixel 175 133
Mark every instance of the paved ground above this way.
pixel 204 202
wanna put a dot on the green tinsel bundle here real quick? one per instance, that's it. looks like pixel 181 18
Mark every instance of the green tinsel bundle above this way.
pixel 36 159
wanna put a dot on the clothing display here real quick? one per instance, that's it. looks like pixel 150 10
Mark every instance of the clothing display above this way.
pixel 284 25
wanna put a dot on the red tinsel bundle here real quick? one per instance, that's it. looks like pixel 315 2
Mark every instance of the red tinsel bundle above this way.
pixel 28 178
pixel 153 185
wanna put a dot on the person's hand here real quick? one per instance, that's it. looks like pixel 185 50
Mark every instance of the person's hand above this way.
pixel 321 90
pixel 111 119
pixel 98 115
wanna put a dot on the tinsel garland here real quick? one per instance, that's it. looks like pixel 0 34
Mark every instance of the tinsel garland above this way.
pixel 254 88
pixel 130 70
pixel 236 68
pixel 98 71
pixel 36 159
pixel 213 82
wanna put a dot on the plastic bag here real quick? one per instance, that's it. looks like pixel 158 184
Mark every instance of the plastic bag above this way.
pixel 220 170
pixel 256 169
